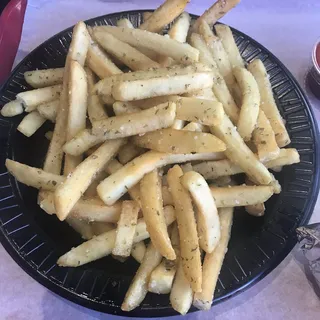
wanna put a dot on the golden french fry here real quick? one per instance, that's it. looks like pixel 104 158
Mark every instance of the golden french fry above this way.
pixel 33 177
pixel 163 15
pixel 129 152
pixel 138 251
pixel 268 104
pixel 286 157
pixel 216 12
pixel 144 121
pixel 189 244
pixel 32 98
pixel 213 262
pixel 127 54
pixel 116 185
pixel 225 34
pixel 179 141
pixel 239 153
pixel 126 229
pixel 180 28
pixel 12 108
pixel 250 102
pixel 207 219
pixel 139 286
pixel 152 209
pixel 31 123
pixel 44 78
pixel 68 193
pixel 48 110
pixel 180 52
pixel 103 244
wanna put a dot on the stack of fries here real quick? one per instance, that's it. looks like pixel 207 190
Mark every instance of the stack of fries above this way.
pixel 112 170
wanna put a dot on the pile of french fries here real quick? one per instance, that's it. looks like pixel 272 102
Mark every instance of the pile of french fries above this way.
pixel 112 167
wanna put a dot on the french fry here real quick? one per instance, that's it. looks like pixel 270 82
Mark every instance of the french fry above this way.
pixel 216 12
pixel 92 189
pixel 121 108
pixel 180 28
pixel 206 94
pixel 144 121
pixel 33 177
pixel 129 152
pixel 268 104
pixel 31 123
pixel 166 196
pixel 213 262
pixel 152 209
pixel 138 251
pixel 264 139
pixel 115 186
pixel 68 193
pixel 162 86
pixel 239 153
pixel 82 227
pixel 194 126
pixel 219 87
pixel 48 110
pixel 12 108
pixel 277 169
pixel 126 229
pixel 286 157
pixel 208 220
pixel 77 51
pixel 103 244
pixel 256 210
pixel 163 15
pixel 178 124
pixel 127 54
pixel 222 181
pixel 82 142
pixel 44 78
pixel 146 15
pixel 250 102
pixel 225 34
pixel 179 141
pixel 125 23
pixel 101 227
pixel 189 245
pixel 99 62
pixel 32 98
pixel 275 185
pixel 181 52
pixel 88 210
pixel 139 286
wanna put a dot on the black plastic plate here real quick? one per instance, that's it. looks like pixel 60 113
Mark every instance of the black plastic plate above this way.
pixel 35 240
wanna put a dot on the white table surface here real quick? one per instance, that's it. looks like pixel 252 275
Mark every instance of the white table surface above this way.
pixel 287 28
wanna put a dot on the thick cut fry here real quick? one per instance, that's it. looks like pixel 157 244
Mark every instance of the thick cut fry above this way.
pixel 12 108
pixel 126 229
pixel 268 104
pixel 225 34
pixel 181 52
pixel 138 251
pixel 77 109
pixel 250 102
pixel 216 12
pixel 163 15
pixel 77 51
pixel 139 286
pixel 125 23
pixel 286 157
pixel 213 262
pixel 120 108
pixel 31 123
pixel 179 141
pixel 44 78
pixel 256 210
pixel 264 139
pixel 48 110
pixel 152 209
pixel 79 180
pixel 103 244
pixel 129 152
pixel 33 177
pixel 219 87
pixel 189 244
pixel 31 99
pixel 207 219
pixel 99 62
pixel 115 186
pixel 239 153
pixel 144 121
pixel 127 54
pixel 180 28
pixel 162 86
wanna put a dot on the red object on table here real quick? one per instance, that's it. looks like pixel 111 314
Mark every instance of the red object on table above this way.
pixel 11 22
